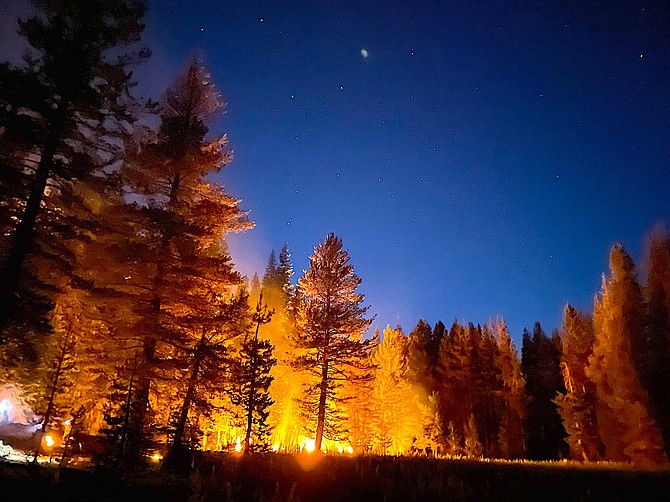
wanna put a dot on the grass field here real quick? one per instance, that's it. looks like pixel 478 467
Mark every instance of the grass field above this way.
pixel 315 478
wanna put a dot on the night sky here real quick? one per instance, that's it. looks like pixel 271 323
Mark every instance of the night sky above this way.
pixel 476 160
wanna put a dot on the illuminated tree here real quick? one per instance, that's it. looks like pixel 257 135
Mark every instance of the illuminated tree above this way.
pixel 287 384
pixel 119 429
pixel 182 270
pixel 472 444
pixel 208 366
pixel 63 114
pixel 398 420
pixel 577 406
pixel 57 370
pixel 627 430
pixel 251 382
pixel 512 412
pixel 330 325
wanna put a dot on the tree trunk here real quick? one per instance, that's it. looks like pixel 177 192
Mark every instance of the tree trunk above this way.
pixel 24 235
pixel 150 341
pixel 321 416
pixel 50 404
pixel 180 426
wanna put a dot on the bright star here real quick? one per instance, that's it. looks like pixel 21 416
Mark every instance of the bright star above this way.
pixel 364 53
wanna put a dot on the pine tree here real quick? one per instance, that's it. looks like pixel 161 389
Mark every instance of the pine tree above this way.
pixel 285 270
pixel 487 384
pixel 418 365
pixel 119 429
pixel 270 278
pixel 399 421
pixel 330 325
pixel 577 406
pixel 252 379
pixel 57 369
pixel 540 364
pixel 627 430
pixel 65 107
pixel 455 381
pixel 511 438
pixel 473 446
pixel 653 352
pixel 181 220
pixel 287 384
pixel 255 286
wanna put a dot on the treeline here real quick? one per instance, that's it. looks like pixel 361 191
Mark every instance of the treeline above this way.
pixel 597 389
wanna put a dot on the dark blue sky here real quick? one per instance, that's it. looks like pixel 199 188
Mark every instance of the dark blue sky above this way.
pixel 480 160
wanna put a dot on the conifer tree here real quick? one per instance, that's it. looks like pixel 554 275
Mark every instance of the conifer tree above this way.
pixel 252 379
pixel 540 364
pixel 285 270
pixel 287 384
pixel 65 107
pixel 57 368
pixel 653 351
pixel 487 386
pixel 119 429
pixel 455 382
pixel 511 438
pixel 270 279
pixel 472 443
pixel 208 367
pixel 255 286
pixel 577 406
pixel 330 325
pixel 627 430
pixel 181 220
pixel 398 421
pixel 418 365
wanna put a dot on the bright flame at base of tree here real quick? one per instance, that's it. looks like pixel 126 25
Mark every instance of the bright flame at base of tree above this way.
pixel 238 445
pixel 308 445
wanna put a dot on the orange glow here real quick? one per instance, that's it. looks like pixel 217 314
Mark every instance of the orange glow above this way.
pixel 49 441
pixel 238 445
pixel 308 445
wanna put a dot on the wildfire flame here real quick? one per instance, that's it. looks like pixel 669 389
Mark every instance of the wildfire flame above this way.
pixel 308 445
pixel 49 441
pixel 238 445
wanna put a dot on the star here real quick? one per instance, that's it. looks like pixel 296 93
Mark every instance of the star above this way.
pixel 364 53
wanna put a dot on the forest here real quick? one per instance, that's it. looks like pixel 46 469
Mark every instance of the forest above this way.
pixel 127 337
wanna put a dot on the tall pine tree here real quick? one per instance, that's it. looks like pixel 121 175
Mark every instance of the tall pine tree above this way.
pixel 330 324
pixel 627 430
pixel 66 108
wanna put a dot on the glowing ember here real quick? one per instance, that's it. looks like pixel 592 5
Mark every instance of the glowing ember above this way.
pixel 156 457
